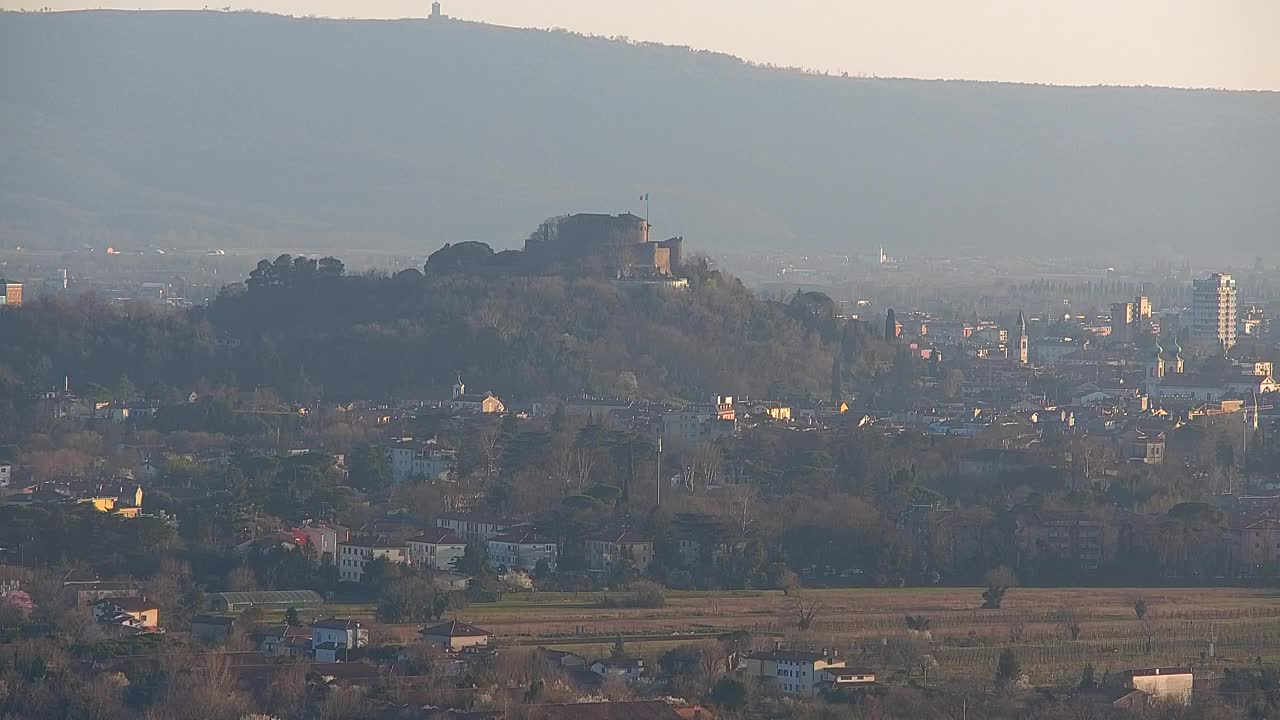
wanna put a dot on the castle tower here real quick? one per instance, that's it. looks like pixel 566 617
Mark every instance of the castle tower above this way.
pixel 1022 339
pixel 436 14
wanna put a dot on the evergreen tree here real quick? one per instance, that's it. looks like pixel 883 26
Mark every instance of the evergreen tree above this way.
pixel 1008 669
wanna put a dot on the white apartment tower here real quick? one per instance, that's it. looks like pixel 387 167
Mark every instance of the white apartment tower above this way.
pixel 1213 310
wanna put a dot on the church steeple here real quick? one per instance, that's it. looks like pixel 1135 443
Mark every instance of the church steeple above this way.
pixel 1022 338
pixel 1173 356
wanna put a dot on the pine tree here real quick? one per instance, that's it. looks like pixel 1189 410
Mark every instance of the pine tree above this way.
pixel 1008 669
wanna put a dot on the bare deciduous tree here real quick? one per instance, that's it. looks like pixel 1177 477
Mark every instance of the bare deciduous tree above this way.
pixel 806 611
pixel 1069 620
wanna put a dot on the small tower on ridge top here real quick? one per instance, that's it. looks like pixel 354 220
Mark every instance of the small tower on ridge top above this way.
pixel 436 14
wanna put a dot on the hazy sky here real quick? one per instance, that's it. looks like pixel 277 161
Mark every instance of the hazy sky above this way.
pixel 1187 43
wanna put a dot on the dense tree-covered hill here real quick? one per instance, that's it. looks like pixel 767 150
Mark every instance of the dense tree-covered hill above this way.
pixel 243 130
pixel 311 333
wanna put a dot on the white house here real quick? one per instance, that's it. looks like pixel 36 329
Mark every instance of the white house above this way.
pixel 331 638
pixel 412 460
pixel 793 672
pixel 841 677
pixel 439 549
pixel 1172 685
pixel 475 527
pixel 6 475
pixel 522 549
pixel 629 670
pixel 356 553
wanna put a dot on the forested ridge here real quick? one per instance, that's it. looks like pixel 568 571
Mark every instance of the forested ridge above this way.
pixel 240 130
pixel 311 333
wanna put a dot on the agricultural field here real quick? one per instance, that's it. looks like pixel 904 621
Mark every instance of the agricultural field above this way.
pixel 1055 632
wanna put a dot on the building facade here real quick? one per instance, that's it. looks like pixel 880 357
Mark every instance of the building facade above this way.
pixel 413 460
pixel 10 293
pixel 522 549
pixel 1213 310
pixel 355 554
pixel 437 549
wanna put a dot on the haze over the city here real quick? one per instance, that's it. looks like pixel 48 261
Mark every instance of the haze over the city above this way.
pixel 1178 43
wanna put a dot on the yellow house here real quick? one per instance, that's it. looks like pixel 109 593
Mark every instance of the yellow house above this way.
pixel 126 504
pixel 486 403
pixel 127 612
pixel 775 410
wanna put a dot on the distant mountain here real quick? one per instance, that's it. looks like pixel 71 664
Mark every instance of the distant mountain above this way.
pixel 243 130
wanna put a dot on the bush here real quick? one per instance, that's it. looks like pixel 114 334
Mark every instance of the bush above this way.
pixel 648 594
pixel 729 694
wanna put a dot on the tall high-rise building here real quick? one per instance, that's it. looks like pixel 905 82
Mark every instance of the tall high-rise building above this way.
pixel 1122 320
pixel 1141 308
pixel 1213 310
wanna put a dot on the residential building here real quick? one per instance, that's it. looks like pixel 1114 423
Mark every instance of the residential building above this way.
pixel 438 549
pixel 452 581
pixel 128 613
pixel 564 659
pixel 629 670
pixel 605 552
pixel 1254 322
pixel 792 672
pixel 212 629
pixel 6 475
pixel 845 677
pixel 411 460
pixel 10 293
pixel 695 424
pixel 475 528
pixel 358 552
pixel 333 637
pixel 1213 310
pixel 456 635
pixel 87 591
pixel 1170 685
pixel 522 549
pixel 1143 447
pixel 487 403
pixel 776 410
pixel 322 539
pixel 284 640
pixel 595 410
pixel 1122 318
pixel 124 501
pixel 1067 536
pixel 1256 548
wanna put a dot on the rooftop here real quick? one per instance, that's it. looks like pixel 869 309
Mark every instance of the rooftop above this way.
pixel 437 537
pixel 455 628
